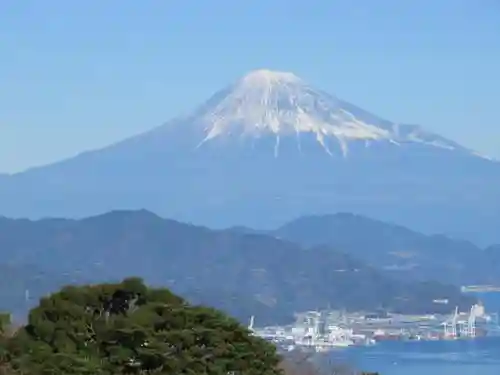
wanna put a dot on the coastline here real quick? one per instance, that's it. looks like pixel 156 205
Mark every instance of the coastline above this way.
pixel 480 289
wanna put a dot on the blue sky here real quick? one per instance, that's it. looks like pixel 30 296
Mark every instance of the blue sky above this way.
pixel 76 75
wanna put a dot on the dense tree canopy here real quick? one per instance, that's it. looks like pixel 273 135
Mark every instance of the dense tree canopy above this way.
pixel 130 328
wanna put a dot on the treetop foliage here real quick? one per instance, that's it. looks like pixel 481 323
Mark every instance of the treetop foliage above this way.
pixel 130 328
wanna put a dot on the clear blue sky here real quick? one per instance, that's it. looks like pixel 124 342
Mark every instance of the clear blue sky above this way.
pixel 79 74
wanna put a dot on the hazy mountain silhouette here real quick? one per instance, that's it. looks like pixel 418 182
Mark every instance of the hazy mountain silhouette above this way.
pixel 400 251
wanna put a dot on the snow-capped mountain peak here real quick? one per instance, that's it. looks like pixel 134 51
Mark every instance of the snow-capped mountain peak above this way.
pixel 281 105
pixel 264 78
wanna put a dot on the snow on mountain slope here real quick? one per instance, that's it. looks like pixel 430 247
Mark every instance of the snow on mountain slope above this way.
pixel 280 104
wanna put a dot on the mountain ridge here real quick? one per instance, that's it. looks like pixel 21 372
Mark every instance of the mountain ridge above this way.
pixel 248 180
pixel 406 253
pixel 282 104
pixel 245 274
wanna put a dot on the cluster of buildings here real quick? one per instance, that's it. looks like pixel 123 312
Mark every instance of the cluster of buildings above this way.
pixel 326 330
pixel 312 330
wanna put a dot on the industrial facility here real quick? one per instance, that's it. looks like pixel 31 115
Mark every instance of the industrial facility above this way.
pixel 327 330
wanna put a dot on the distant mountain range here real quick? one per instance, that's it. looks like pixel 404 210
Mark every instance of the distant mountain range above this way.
pixel 242 273
pixel 266 149
pixel 398 250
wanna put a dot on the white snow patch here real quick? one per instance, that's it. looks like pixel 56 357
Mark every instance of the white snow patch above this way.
pixel 485 156
pixel 265 77
pixel 415 137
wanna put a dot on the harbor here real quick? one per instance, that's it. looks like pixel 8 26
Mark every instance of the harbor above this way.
pixel 322 331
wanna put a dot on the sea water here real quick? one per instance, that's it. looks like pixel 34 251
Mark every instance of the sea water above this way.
pixel 460 357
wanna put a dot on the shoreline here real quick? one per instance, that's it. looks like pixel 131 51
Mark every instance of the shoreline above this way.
pixel 480 289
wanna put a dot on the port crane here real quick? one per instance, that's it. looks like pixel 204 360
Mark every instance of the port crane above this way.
pixel 466 327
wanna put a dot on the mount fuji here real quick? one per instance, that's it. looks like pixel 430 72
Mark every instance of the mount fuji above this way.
pixel 264 150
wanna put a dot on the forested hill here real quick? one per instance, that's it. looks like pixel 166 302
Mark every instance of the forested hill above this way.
pixel 244 274
pixel 401 251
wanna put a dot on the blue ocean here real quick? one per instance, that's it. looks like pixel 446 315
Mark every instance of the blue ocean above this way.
pixel 462 357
